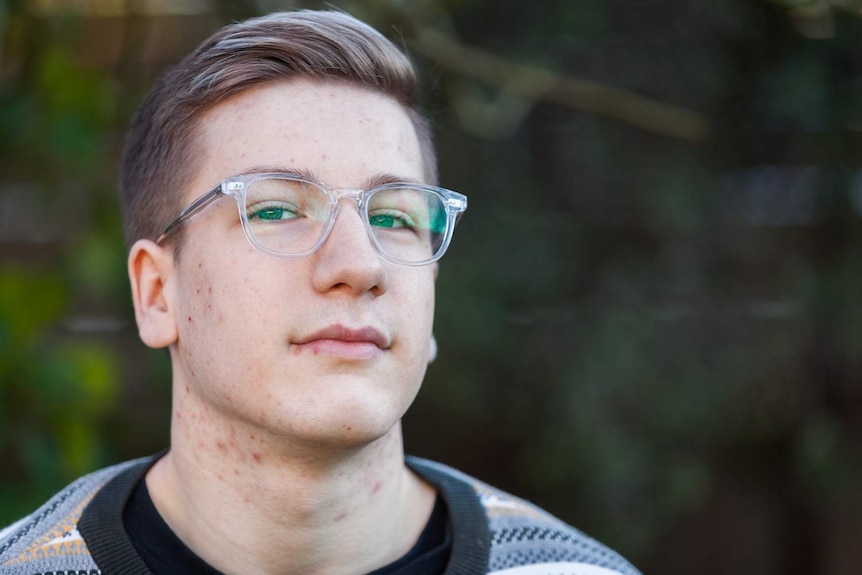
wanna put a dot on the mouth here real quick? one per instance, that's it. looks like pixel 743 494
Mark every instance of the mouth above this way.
pixel 338 340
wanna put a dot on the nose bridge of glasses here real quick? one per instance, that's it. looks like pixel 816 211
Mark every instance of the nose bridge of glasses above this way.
pixel 340 193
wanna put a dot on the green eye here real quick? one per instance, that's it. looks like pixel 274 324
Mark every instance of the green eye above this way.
pixel 394 221
pixel 272 213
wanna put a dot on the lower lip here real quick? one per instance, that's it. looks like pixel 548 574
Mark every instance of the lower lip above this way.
pixel 356 350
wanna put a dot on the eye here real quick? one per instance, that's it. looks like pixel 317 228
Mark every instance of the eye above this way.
pixel 391 219
pixel 273 211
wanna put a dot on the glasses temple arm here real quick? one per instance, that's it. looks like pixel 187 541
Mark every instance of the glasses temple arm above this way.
pixel 192 209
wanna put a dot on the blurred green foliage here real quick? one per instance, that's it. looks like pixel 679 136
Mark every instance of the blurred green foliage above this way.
pixel 649 321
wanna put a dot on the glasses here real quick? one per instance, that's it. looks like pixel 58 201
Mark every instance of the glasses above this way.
pixel 288 215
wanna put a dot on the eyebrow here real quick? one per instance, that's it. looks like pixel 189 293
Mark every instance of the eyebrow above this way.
pixel 378 179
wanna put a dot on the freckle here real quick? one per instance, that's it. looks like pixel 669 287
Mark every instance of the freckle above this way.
pixel 256 457
pixel 210 289
pixel 316 352
pixel 209 306
pixel 187 389
pixel 190 319
pixel 200 265
pixel 198 290
pixel 220 477
pixel 251 436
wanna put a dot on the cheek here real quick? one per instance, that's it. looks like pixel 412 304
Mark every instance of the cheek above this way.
pixel 215 307
pixel 223 330
pixel 417 308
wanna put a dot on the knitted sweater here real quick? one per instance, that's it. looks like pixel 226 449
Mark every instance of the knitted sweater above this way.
pixel 79 531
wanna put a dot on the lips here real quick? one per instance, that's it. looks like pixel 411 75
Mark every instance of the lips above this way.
pixel 362 343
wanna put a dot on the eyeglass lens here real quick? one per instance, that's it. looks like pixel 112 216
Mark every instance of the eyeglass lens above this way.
pixel 290 216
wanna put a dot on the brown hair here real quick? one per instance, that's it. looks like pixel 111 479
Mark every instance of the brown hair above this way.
pixel 159 157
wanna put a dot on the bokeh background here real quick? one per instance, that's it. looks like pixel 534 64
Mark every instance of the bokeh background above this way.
pixel 650 319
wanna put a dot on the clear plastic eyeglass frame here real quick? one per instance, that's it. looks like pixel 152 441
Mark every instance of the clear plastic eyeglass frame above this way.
pixel 237 186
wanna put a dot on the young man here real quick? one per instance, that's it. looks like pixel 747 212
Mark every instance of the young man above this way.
pixel 279 198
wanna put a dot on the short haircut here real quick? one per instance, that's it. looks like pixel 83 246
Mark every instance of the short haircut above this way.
pixel 160 156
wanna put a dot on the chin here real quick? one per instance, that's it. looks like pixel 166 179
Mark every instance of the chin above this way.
pixel 345 426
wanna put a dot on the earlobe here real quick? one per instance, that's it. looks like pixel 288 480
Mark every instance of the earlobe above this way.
pixel 432 349
pixel 150 266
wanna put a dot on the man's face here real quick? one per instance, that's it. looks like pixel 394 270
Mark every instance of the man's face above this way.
pixel 265 340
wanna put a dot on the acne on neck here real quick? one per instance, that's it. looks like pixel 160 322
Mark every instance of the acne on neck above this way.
pixel 283 498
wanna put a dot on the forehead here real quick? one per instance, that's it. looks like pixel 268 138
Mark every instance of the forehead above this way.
pixel 340 132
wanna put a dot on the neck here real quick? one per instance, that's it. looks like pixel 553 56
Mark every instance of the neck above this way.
pixel 248 502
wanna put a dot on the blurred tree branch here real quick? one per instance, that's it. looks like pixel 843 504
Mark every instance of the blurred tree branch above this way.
pixel 816 18
pixel 538 84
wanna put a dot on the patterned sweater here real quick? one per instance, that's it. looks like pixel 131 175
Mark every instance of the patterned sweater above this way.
pixel 79 531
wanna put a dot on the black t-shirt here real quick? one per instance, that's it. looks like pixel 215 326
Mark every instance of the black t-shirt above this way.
pixel 164 554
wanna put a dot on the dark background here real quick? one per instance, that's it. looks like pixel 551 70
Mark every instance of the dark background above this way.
pixel 649 321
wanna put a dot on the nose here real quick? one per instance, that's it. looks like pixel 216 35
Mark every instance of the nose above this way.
pixel 348 261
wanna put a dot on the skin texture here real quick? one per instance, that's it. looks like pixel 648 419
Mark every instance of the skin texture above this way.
pixel 286 454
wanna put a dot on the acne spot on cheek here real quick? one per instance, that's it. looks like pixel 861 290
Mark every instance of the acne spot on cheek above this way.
pixel 297 350
pixel 221 446
pixel 324 157
pixel 256 457
pixel 190 319
pixel 376 488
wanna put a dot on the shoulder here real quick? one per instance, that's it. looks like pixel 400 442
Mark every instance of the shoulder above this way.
pixel 48 540
pixel 523 539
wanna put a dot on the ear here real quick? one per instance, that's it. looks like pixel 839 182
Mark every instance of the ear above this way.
pixel 150 268
pixel 432 343
pixel 432 349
